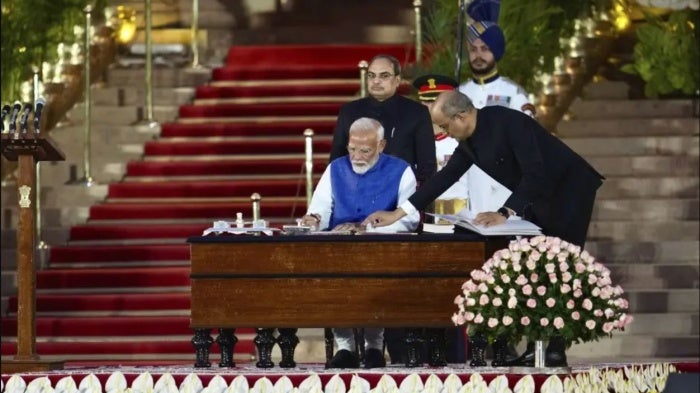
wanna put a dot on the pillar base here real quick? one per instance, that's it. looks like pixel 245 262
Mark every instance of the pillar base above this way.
pixel 20 366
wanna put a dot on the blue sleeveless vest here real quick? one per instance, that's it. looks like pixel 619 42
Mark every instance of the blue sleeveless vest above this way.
pixel 357 196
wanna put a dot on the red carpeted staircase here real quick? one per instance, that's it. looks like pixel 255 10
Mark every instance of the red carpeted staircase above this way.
pixel 118 291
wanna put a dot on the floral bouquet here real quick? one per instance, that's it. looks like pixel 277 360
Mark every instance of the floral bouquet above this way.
pixel 540 288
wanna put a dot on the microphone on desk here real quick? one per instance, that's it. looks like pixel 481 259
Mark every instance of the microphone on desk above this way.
pixel 25 117
pixel 5 111
pixel 40 103
pixel 13 117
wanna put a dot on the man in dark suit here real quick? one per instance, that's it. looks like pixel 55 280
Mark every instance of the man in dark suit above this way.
pixel 409 130
pixel 552 185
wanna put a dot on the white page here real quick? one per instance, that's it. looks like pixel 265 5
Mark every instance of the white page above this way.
pixel 486 194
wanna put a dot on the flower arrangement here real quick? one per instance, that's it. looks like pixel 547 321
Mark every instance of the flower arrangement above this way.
pixel 540 288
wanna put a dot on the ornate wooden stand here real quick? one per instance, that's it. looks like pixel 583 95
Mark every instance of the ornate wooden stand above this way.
pixel 27 149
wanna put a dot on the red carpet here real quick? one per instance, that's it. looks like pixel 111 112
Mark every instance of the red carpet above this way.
pixel 124 273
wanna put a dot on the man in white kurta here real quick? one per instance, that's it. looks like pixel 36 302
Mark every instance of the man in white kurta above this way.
pixel 352 187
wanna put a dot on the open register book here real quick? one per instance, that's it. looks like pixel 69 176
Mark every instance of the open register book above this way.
pixel 512 226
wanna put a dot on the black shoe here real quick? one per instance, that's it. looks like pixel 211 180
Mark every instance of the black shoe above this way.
pixel 527 359
pixel 344 359
pixel 374 358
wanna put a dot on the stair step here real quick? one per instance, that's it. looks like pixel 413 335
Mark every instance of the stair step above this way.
pixel 647 165
pixel 144 232
pixel 643 230
pixel 621 109
pixel 657 276
pixel 621 345
pixel 106 280
pixel 669 324
pixel 210 189
pixel 231 147
pixel 628 127
pixel 280 109
pixel 63 304
pixel 161 325
pixel 161 77
pixel 124 115
pixel 649 187
pixel 640 252
pixel 113 350
pixel 605 89
pixel 663 301
pixel 646 209
pixel 348 87
pixel 163 253
pixel 635 146
pixel 136 96
pixel 221 167
pixel 171 130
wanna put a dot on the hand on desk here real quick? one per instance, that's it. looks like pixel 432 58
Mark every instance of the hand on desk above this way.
pixel 383 218
pixel 489 219
pixel 353 227
pixel 310 221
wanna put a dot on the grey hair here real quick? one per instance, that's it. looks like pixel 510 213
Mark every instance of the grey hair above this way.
pixel 456 102
pixel 367 124
pixel 395 64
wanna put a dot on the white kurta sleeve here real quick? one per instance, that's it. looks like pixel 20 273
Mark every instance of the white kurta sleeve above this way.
pixel 409 222
pixel 322 200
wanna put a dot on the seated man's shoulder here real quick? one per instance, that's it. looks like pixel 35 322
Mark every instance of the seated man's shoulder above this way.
pixel 397 161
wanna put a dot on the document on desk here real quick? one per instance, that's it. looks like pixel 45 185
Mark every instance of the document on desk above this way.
pixel 513 225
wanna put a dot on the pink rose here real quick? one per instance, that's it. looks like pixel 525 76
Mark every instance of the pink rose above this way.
pixel 505 254
pixel 459 300
pixel 497 302
pixel 598 313
pixel 609 313
pixel 512 302
pixel 541 290
pixel 590 324
pixel 566 277
pixel 483 287
pixel 527 290
pixel 490 279
pixel 575 315
pixel 531 264
pixel 564 267
pixel 558 322
pixel 493 322
pixel 507 320
pixel 549 268
pixel 484 300
pixel 498 289
pixel 469 316
pixel 544 321
pixel 580 267
pixel 532 303
pixel 553 278
pixel 516 267
pixel 570 304
pixel 505 278
pixel 535 256
pixel 550 302
pixel 542 248
pixel 595 292
pixel 587 304
pixel 469 286
pixel 471 301
pixel 578 293
pixel 477 274
pixel 576 284
pixel 534 277
pixel 565 288
pixel 521 280
pixel 516 256
pixel 511 292
pixel 478 318
pixel 458 319
pixel 607 327
pixel 592 279
pixel 524 321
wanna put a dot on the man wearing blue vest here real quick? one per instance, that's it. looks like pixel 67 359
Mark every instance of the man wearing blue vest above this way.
pixel 353 186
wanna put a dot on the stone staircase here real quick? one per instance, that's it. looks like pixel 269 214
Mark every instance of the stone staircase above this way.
pixel 645 223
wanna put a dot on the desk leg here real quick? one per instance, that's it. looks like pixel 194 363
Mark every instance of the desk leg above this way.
pixel 287 341
pixel 413 343
pixel 227 342
pixel 264 341
pixel 202 342
pixel 436 347
pixel 328 337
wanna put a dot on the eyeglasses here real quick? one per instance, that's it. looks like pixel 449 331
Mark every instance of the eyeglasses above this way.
pixel 384 76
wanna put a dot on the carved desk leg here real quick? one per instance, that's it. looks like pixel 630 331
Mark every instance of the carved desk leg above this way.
pixel 264 341
pixel 227 342
pixel 287 341
pixel 413 344
pixel 436 347
pixel 202 342
pixel 328 338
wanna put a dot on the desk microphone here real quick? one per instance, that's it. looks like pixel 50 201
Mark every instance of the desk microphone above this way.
pixel 5 111
pixel 25 117
pixel 13 117
pixel 40 103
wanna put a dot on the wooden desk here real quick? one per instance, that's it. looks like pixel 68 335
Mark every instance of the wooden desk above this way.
pixel 324 281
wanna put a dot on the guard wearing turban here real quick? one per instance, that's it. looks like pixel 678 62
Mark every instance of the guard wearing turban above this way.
pixel 486 46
